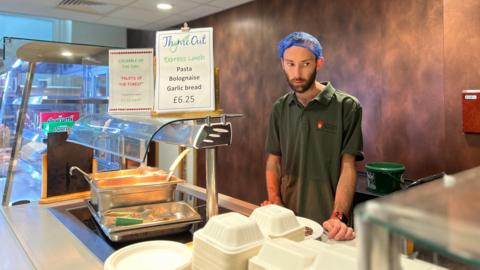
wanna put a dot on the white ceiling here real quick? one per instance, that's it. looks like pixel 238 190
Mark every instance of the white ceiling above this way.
pixel 134 14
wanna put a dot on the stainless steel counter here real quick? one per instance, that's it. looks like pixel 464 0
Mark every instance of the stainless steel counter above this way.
pixel 32 238
pixel 36 236
pixel 11 252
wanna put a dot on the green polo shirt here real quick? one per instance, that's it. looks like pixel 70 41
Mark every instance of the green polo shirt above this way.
pixel 311 141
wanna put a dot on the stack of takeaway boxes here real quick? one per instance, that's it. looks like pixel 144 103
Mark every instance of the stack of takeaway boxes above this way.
pixel 271 238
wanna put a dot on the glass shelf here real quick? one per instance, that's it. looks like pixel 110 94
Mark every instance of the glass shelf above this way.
pixel 130 135
pixel 442 216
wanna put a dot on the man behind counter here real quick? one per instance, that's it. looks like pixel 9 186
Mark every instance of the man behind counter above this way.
pixel 313 140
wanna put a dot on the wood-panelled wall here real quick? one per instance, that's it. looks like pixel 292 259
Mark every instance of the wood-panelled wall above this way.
pixel 462 71
pixel 407 61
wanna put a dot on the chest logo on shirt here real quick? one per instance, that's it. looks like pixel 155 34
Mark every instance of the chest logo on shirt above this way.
pixel 320 124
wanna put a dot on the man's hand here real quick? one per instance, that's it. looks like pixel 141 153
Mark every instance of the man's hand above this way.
pixel 277 201
pixel 338 230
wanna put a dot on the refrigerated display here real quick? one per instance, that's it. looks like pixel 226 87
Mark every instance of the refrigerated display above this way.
pixel 62 82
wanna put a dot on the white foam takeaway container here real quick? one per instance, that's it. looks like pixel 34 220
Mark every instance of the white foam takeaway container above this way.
pixel 278 222
pixel 226 242
pixel 282 254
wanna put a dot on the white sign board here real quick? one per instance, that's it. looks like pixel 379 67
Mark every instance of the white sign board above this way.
pixel 131 81
pixel 185 75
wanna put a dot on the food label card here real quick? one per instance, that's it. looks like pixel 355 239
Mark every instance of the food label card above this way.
pixel 185 74
pixel 131 81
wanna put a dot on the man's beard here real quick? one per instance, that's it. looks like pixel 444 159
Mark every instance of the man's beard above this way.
pixel 302 88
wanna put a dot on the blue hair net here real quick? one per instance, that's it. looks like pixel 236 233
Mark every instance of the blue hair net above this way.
pixel 300 39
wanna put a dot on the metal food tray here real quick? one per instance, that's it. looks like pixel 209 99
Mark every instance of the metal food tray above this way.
pixel 123 188
pixel 142 176
pixel 158 219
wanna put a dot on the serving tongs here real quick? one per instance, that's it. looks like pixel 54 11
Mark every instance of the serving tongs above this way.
pixel 425 180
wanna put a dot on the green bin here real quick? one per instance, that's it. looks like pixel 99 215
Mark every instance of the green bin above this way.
pixel 384 177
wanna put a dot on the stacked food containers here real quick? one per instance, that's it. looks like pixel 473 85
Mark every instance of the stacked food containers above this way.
pixel 229 240
pixel 226 242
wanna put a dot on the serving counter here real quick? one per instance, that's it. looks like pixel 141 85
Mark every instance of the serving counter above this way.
pixel 32 238
pixel 56 236
pixel 35 237
pixel 11 252
pixel 64 236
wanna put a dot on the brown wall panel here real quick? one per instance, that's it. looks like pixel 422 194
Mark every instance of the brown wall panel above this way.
pixel 389 54
pixel 238 54
pixel 412 125
pixel 462 71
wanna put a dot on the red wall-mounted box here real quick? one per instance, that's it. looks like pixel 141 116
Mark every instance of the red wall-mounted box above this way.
pixel 471 111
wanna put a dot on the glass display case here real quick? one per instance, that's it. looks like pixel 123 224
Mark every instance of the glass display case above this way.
pixel 440 218
pixel 129 136
pixel 45 87
pixel 55 86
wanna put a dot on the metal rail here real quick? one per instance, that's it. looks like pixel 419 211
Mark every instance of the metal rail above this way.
pixel 225 201
pixel 19 134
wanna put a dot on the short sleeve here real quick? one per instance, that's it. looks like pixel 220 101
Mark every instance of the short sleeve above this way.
pixel 273 134
pixel 352 130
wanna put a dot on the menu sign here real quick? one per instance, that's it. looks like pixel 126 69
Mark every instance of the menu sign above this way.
pixel 131 80
pixel 185 75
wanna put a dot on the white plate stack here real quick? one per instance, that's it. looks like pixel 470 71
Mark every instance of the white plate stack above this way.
pixel 278 222
pixel 151 255
pixel 226 242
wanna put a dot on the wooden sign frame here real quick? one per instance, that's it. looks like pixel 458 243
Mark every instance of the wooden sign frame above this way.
pixel 57 183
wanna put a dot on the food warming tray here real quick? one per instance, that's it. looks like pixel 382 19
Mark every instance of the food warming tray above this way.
pixel 157 220
pixel 122 188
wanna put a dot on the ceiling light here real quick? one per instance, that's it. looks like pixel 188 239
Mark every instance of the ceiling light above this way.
pixel 164 6
pixel 67 53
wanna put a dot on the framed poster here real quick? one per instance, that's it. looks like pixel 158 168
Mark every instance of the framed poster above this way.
pixel 185 74
pixel 131 81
